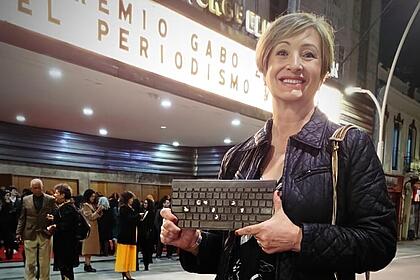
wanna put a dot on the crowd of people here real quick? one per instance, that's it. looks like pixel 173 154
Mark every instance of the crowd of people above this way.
pixel 120 224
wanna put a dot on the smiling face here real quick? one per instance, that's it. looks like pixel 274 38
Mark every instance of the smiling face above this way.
pixel 294 68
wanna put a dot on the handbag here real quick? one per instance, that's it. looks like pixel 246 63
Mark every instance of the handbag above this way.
pixel 337 137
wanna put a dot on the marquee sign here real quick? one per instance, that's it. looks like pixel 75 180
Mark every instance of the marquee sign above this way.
pixel 149 36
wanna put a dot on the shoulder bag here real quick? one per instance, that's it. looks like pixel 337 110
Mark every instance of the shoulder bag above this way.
pixel 337 137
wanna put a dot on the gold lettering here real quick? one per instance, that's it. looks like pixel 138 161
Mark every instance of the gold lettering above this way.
pixel 222 77
pixel 246 86
pixel 194 43
pixel 227 9
pixel 234 60
pixel 222 55
pixel 23 9
pixel 163 28
pixel 178 60
pixel 239 14
pixel 144 44
pixel 208 51
pixel 125 12
pixel 194 66
pixel 50 17
pixel 234 81
pixel 102 6
pixel 161 53
pixel 203 4
pixel 208 72
pixel 214 8
pixel 266 93
pixel 102 29
pixel 123 39
pixel 144 19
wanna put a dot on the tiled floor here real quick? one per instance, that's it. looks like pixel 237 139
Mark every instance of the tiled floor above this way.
pixel 405 266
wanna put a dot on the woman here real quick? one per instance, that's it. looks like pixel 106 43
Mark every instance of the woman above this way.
pixel 113 203
pixel 299 242
pixel 106 223
pixel 66 255
pixel 91 245
pixel 146 232
pixel 125 261
pixel 8 221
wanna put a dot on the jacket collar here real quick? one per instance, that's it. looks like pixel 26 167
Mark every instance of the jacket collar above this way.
pixel 312 133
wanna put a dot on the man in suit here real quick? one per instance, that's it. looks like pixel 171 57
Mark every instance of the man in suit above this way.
pixel 34 218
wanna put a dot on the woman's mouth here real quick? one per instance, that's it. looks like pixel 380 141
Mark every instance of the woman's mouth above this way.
pixel 294 83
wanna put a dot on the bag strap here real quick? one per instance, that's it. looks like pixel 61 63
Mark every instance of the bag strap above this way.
pixel 337 137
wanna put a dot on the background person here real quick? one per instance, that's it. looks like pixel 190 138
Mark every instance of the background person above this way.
pixel 65 244
pixel 92 212
pixel 147 233
pixel 299 241
pixel 32 229
pixel 114 204
pixel 8 222
pixel 106 223
pixel 126 258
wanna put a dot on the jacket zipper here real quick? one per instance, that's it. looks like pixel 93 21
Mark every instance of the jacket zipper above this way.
pixel 310 172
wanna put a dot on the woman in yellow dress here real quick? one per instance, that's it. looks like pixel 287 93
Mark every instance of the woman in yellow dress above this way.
pixel 126 249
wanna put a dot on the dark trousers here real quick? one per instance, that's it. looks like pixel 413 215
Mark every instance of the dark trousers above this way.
pixel 67 272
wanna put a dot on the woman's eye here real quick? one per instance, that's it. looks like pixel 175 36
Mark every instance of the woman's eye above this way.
pixel 309 55
pixel 281 53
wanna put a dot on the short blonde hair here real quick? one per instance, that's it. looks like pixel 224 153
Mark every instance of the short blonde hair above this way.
pixel 290 25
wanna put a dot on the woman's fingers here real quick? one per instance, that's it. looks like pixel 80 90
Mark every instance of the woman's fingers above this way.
pixel 170 232
pixel 166 213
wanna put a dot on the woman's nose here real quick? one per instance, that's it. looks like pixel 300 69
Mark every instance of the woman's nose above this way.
pixel 295 63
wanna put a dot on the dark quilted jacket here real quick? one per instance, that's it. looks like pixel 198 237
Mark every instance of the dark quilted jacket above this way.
pixel 365 236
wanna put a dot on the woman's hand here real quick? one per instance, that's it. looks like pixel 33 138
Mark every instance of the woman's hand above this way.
pixel 51 229
pixel 278 234
pixel 171 234
pixel 99 210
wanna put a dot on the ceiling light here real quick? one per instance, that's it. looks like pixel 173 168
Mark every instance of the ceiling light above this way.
pixel 166 103
pixel 55 73
pixel 162 126
pixel 227 141
pixel 175 143
pixel 20 118
pixel 236 122
pixel 103 131
pixel 88 111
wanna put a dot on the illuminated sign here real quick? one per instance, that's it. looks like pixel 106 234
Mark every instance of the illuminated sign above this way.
pixel 234 12
pixel 149 36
